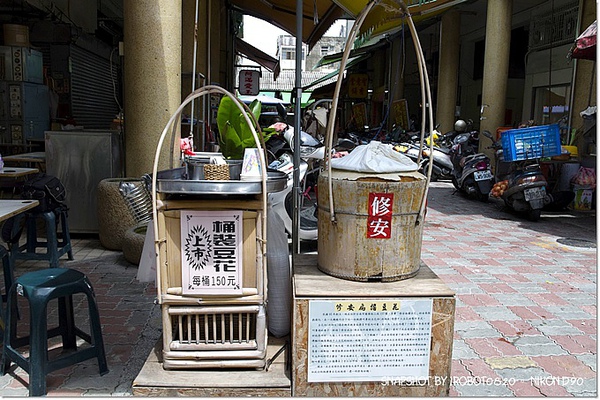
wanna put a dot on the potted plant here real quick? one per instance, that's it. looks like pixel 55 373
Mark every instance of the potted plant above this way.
pixel 234 133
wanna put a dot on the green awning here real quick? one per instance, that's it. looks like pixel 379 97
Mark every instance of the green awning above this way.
pixel 386 16
pixel 361 51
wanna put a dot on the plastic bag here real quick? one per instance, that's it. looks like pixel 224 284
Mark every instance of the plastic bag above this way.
pixel 147 266
pixel 585 177
pixel 375 157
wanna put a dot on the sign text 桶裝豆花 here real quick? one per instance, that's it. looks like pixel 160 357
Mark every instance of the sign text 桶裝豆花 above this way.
pixel 211 252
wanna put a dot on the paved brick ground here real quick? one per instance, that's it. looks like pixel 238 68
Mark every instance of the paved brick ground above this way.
pixel 526 304
pixel 131 324
pixel 526 318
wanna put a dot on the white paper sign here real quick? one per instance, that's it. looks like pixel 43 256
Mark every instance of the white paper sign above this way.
pixel 368 340
pixel 211 252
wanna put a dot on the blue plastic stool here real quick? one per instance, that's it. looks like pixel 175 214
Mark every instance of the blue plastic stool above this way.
pixel 39 288
pixel 55 248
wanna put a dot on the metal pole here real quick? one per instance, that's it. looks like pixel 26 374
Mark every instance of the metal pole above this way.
pixel 195 57
pixel 297 128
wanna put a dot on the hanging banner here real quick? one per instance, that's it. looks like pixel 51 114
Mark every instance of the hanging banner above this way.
pixel 400 113
pixel 211 252
pixel 358 85
pixel 359 113
pixel 379 220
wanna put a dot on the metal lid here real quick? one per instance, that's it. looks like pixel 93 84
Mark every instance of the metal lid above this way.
pixel 173 181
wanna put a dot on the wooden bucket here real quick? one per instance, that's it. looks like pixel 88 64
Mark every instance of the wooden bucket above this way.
pixel 375 236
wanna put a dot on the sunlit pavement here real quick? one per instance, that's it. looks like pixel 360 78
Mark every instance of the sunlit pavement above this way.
pixel 526 303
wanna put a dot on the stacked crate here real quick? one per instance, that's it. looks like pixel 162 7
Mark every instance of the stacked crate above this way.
pixel 205 323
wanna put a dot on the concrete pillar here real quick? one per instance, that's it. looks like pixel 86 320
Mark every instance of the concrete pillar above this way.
pixel 584 87
pixel 495 68
pixel 152 84
pixel 448 70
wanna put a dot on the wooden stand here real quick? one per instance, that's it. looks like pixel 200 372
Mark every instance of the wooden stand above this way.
pixel 277 379
pixel 309 284
pixel 272 381
pixel 212 331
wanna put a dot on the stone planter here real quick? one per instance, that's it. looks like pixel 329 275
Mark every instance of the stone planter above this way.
pixel 114 217
pixel 133 243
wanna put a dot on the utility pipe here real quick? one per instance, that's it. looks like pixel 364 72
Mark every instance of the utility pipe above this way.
pixel 297 131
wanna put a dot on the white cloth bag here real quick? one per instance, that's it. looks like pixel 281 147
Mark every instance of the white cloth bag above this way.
pixel 375 157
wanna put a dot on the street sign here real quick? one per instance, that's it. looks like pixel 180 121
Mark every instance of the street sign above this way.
pixel 249 82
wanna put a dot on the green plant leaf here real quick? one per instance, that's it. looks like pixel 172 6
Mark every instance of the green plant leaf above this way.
pixel 226 125
pixel 235 135
pixel 256 108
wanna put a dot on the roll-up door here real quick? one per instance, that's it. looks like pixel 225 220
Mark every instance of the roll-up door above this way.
pixel 93 88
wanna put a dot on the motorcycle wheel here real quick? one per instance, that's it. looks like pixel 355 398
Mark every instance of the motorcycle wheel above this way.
pixel 425 168
pixel 534 215
pixel 308 211
pixel 455 183
pixel 483 197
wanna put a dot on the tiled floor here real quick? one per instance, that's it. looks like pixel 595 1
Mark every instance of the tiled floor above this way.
pixel 526 317
pixel 131 326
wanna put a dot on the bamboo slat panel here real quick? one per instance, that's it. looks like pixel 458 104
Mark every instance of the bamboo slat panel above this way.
pixel 170 254
pixel 196 337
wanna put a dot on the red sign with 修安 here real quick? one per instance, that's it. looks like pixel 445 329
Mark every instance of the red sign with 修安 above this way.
pixel 379 219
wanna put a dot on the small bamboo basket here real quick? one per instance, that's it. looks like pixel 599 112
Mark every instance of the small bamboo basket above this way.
pixel 216 172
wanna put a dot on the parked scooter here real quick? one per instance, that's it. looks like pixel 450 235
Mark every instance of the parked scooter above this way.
pixel 471 172
pixel 280 149
pixel 312 152
pixel 442 164
pixel 460 126
pixel 521 184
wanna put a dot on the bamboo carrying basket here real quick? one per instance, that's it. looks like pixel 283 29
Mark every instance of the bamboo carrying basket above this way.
pixel 215 330
pixel 344 249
